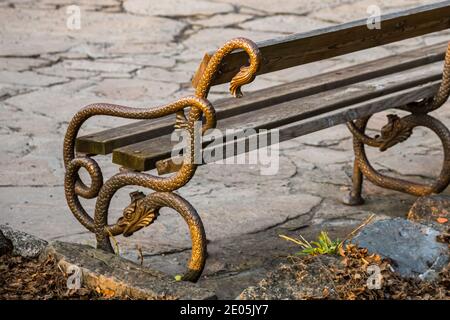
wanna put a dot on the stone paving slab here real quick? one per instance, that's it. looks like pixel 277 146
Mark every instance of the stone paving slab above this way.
pixel 110 272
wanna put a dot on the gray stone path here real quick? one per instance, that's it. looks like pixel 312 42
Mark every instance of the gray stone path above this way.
pixel 143 53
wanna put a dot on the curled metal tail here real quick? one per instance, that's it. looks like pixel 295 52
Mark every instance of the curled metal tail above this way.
pixel 74 187
pixel 245 75
pixel 441 96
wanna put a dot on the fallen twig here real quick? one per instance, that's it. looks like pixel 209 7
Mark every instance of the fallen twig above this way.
pixel 351 234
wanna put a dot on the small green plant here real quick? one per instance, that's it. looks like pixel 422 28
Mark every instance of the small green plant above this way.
pixel 178 277
pixel 323 245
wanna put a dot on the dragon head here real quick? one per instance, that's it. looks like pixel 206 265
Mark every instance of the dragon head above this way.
pixel 136 215
pixel 395 131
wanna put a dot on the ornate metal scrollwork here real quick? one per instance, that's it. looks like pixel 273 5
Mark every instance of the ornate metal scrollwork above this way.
pixel 398 130
pixel 136 215
pixel 144 210
pixel 395 131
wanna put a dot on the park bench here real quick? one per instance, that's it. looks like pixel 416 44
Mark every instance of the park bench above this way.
pixel 415 81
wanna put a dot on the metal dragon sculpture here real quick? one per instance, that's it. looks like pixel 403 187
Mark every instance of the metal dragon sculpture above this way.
pixel 144 209
pixel 398 130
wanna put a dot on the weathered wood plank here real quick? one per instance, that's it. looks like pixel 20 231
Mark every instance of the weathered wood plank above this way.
pixel 320 122
pixel 333 41
pixel 144 155
pixel 105 141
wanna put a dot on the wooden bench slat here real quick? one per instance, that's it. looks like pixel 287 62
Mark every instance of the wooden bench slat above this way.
pixel 320 122
pixel 333 41
pixel 106 141
pixel 143 156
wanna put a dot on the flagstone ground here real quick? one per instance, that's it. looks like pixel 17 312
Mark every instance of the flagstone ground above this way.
pixel 143 53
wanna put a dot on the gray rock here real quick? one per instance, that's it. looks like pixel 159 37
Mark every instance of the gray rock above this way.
pixel 412 247
pixel 24 244
pixel 5 244
pixel 111 272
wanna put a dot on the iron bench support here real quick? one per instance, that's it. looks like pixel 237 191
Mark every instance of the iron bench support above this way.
pixel 398 130
pixel 144 209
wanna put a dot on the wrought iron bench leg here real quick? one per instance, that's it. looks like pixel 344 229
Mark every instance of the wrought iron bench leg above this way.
pixel 398 130
pixel 354 198
pixel 143 210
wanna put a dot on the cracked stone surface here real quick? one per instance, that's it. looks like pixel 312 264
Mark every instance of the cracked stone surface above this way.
pixel 284 24
pixel 353 10
pixel 143 53
pixel 176 7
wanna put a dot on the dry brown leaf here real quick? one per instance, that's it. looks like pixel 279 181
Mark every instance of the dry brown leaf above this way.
pixel 442 220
